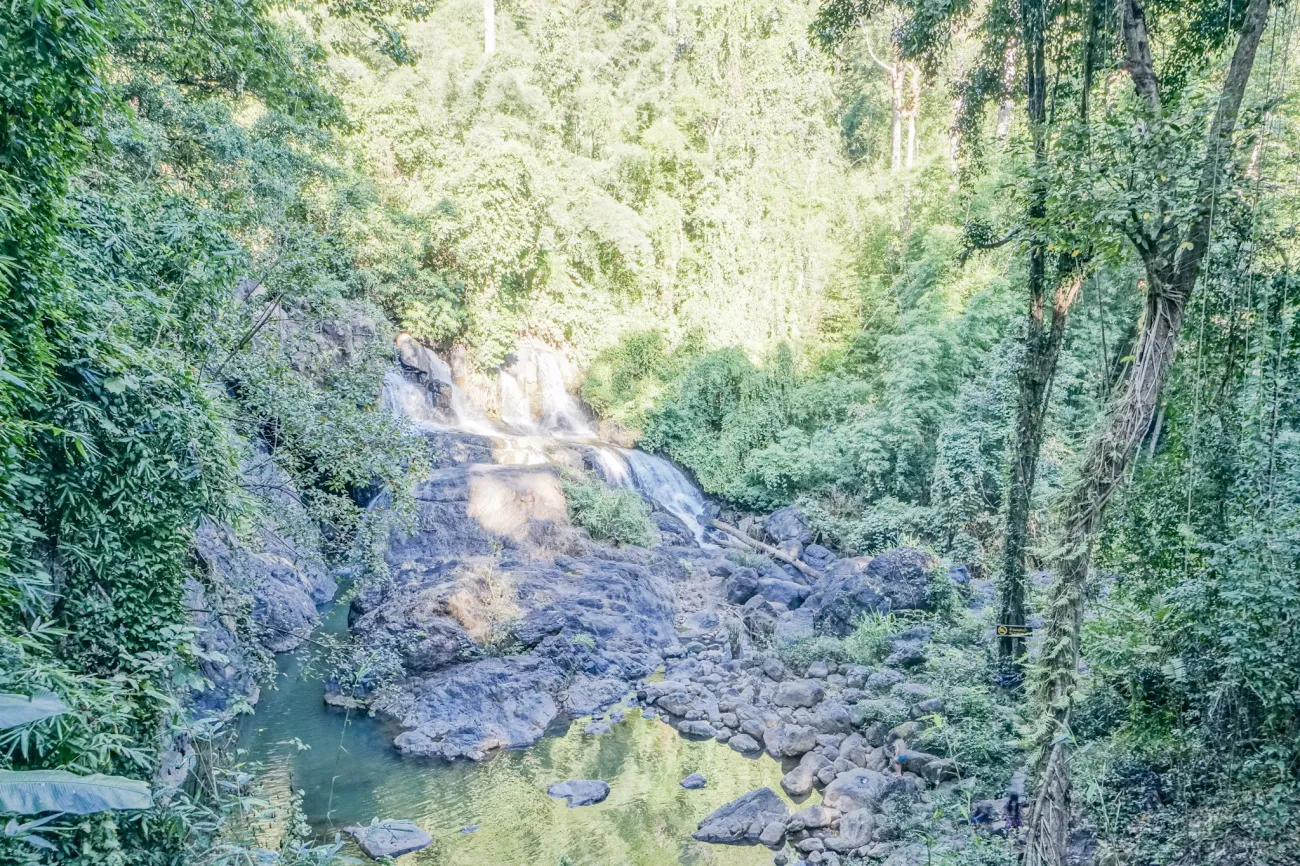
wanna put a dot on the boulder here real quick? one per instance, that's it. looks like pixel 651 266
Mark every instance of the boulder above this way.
pixel 798 782
pixel 701 729
pixel 789 741
pixel 787 525
pixel 818 557
pixel 743 819
pixel 832 717
pixel 389 838
pixel 745 744
pixel 694 782
pixel 812 818
pixel 862 789
pixel 741 586
pixel 798 693
pixel 579 792
pixel 898 579
pixel 855 831
pixel 773 835
pixel 819 670
pixel 784 592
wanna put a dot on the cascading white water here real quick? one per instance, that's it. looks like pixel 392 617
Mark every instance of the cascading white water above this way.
pixel 655 478
pixel 666 484
pixel 406 399
pixel 559 410
pixel 514 405
pixel 652 476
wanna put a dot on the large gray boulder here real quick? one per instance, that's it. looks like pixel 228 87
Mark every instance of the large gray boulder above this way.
pixel 785 592
pixel 798 693
pixel 389 838
pixel 898 579
pixel 579 792
pixel 743 819
pixel 787 525
pixel 862 789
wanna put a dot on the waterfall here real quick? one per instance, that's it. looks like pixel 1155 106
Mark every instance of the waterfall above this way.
pixel 514 405
pixel 559 410
pixel 612 466
pixel 406 399
pixel 656 479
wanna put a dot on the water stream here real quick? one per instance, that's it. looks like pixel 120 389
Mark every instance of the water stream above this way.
pixel 349 771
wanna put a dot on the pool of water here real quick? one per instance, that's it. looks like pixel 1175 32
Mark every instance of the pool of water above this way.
pixel 350 772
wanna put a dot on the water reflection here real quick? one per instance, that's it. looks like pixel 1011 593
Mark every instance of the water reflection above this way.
pixel 351 774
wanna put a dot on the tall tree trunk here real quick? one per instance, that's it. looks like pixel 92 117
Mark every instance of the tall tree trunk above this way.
pixel 1172 262
pixel 489 27
pixel 913 111
pixel 896 85
pixel 1039 364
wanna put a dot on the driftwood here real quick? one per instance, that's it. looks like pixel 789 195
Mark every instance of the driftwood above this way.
pixel 767 548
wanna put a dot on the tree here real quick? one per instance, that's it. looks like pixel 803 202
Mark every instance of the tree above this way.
pixel 1171 251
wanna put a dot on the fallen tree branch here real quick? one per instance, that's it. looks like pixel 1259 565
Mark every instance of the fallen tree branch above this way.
pixel 766 548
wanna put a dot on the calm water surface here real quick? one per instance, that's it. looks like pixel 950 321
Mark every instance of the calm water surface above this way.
pixel 351 773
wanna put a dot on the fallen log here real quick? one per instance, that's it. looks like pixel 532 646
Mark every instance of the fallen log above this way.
pixel 766 548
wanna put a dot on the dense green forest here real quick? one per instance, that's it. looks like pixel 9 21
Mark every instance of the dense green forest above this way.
pixel 1015 282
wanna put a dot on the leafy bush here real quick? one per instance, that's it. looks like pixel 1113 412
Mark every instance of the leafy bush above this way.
pixel 614 514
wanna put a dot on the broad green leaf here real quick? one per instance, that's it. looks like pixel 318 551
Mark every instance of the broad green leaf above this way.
pixel 30 792
pixel 18 710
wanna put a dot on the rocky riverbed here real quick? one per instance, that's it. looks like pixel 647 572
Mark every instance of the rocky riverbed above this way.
pixel 500 618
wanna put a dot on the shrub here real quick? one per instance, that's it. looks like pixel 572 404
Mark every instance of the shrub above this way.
pixel 612 514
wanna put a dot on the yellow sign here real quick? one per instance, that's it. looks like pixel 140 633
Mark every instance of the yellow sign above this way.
pixel 1014 631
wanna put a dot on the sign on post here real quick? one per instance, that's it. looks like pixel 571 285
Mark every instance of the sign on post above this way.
pixel 1015 631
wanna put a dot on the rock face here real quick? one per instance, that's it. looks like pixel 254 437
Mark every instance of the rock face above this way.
pixel 280 570
pixel 898 579
pixel 694 782
pixel 492 565
pixel 389 838
pixel 579 792
pixel 743 819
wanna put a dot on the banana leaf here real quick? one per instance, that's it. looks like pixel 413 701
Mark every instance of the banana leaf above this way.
pixel 18 710
pixel 30 792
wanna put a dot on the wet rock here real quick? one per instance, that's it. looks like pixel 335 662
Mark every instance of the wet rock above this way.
pixel 389 838
pixel 743 819
pixel 862 789
pixel 587 694
pixel 694 782
pixel 798 693
pixel 810 845
pixel 596 728
pixel 579 792
pixel 476 708
pixel 745 744
pixel 812 818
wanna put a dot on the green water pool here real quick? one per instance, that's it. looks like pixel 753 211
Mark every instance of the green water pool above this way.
pixel 350 772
